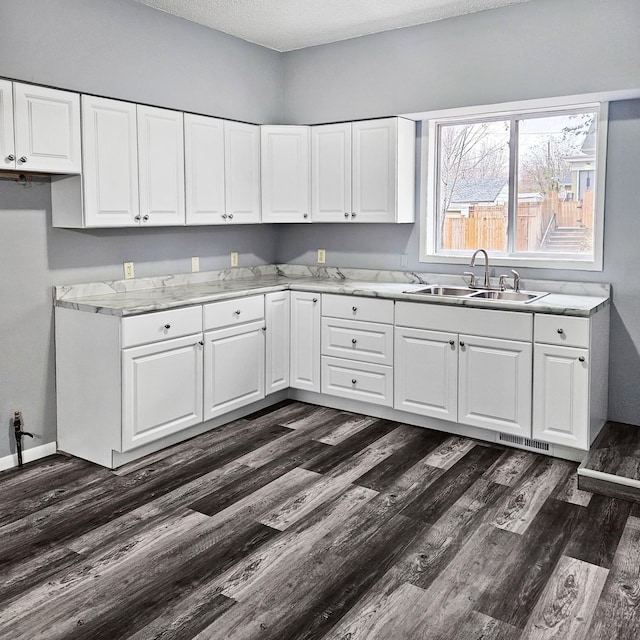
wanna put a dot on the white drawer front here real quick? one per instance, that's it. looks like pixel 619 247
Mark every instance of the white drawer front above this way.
pixel 357 308
pixel 364 341
pixel 508 325
pixel 357 380
pixel 229 313
pixel 160 325
pixel 562 330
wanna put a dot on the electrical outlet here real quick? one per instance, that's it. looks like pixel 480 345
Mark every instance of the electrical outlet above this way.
pixel 128 271
pixel 234 258
pixel 195 264
pixel 322 256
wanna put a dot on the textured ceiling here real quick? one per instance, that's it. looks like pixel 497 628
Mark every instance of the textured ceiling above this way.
pixel 284 25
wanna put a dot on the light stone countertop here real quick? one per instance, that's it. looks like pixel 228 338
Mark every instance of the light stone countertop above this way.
pixel 143 295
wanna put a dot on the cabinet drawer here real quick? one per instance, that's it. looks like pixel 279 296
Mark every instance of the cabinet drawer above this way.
pixel 562 330
pixel 357 380
pixel 160 325
pixel 508 325
pixel 232 312
pixel 364 341
pixel 357 308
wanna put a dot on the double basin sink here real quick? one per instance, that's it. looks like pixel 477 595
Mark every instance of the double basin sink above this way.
pixel 480 294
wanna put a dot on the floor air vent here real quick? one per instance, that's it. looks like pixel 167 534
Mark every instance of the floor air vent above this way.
pixel 524 443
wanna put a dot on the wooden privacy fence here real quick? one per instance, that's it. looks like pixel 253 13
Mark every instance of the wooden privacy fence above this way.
pixel 486 226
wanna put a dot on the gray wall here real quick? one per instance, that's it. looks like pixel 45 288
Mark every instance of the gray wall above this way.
pixel 120 49
pixel 541 48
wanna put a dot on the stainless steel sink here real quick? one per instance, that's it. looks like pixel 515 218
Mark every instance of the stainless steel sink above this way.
pixel 510 296
pixel 435 290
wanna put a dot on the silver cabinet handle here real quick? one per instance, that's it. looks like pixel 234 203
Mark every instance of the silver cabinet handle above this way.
pixel 224 216
pixel 237 312
pixel 11 157
pixel 353 341
pixel 354 309
pixel 138 218
pixel 167 326
pixel 264 328
pixel 353 381
pixel 145 218
pixel 23 159
pixel 560 331
pixel 346 215
pixel 461 343
pixel 315 300
pixel 305 215
pixel 581 358
pixel 231 216
pixel 353 215
pixel 201 343
pixel 452 342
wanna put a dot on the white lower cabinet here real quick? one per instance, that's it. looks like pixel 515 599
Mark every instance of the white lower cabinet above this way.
pixel 305 341
pixel 277 312
pixel 233 368
pixel 161 389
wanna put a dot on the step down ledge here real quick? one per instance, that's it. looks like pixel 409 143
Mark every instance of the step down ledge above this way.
pixel 608 484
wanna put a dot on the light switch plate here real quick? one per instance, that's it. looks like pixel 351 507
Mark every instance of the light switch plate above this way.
pixel 128 271
pixel 322 256
pixel 234 258
pixel 195 264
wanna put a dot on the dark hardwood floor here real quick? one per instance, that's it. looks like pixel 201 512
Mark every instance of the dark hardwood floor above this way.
pixel 307 522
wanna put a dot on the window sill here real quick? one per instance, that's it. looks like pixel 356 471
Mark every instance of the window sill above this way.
pixel 561 264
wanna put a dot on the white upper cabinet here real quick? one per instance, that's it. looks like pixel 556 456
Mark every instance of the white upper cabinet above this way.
pixel 204 169
pixel 161 164
pixel 242 172
pixel 47 129
pixel 383 170
pixel 331 172
pixel 109 163
pixel 285 174
pixel 7 145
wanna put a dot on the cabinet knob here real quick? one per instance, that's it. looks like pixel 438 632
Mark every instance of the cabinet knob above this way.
pixel 581 358
pixel 353 341
pixel 560 331
pixel 353 381
pixel 231 216
pixel 452 342
pixel 23 159
pixel 167 326
pixel 224 216
pixel 354 309
pixel 11 158
pixel 264 328
pixel 201 343
pixel 346 214
pixel 138 218
pixel 237 312
pixel 305 215
pixel 315 300
pixel 461 343
pixel 353 215
pixel 145 218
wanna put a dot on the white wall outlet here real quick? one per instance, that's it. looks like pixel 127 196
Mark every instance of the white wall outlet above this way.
pixel 234 258
pixel 128 271
pixel 195 264
pixel 322 256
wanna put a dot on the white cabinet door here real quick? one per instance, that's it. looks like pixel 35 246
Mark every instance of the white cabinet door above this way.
pixel 242 172
pixel 426 372
pixel 109 163
pixel 277 318
pixel 494 384
pixel 161 161
pixel 204 169
pixel 161 389
pixel 233 368
pixel 285 174
pixel 47 129
pixel 331 173
pixel 7 145
pixel 561 395
pixel 305 341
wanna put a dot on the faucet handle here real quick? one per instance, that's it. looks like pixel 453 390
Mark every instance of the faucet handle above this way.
pixel 472 278
pixel 516 280
pixel 502 282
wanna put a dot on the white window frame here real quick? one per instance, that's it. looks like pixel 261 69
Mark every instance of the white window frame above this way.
pixel 429 176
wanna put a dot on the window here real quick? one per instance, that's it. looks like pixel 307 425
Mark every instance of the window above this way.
pixel 525 185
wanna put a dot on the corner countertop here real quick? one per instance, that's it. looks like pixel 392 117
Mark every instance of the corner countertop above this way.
pixel 144 295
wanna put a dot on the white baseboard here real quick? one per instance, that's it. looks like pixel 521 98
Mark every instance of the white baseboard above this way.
pixel 28 455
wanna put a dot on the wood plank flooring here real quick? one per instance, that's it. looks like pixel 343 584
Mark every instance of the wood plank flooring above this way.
pixel 303 522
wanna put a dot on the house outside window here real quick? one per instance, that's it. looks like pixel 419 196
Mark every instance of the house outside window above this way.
pixel 526 185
